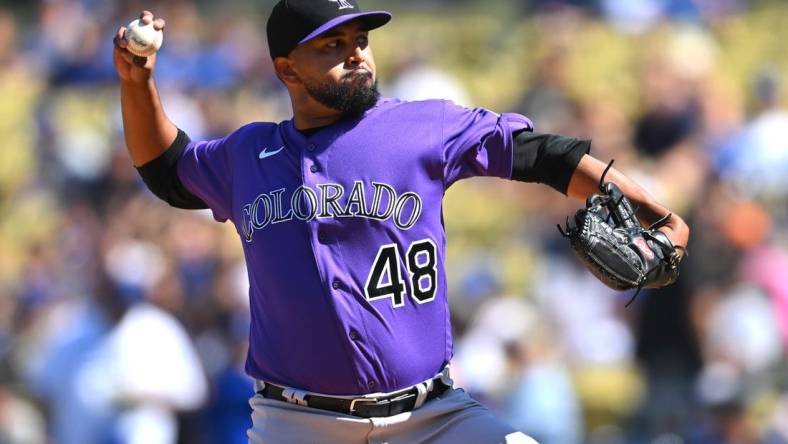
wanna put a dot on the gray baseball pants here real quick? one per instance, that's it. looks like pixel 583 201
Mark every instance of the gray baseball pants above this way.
pixel 452 418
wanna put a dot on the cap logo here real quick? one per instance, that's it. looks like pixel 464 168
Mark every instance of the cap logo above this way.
pixel 343 4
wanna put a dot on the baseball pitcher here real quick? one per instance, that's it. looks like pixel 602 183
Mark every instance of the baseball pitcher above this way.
pixel 338 211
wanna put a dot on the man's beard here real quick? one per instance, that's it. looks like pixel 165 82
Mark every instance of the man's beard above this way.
pixel 351 96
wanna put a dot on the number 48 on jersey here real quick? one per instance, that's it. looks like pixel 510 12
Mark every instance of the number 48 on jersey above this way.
pixel 384 280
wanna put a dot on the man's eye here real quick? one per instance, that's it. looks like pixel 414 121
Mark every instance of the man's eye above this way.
pixel 334 44
pixel 363 40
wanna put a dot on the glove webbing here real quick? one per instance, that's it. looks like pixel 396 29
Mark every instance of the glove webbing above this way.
pixel 672 261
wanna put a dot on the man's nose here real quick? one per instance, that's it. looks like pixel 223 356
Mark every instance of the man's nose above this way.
pixel 357 57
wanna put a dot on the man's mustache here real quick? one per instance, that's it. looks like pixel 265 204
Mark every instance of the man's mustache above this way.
pixel 357 73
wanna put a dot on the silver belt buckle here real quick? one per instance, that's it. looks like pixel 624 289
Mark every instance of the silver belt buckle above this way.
pixel 354 401
pixel 294 396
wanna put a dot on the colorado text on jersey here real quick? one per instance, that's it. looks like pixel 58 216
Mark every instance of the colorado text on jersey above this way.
pixel 326 200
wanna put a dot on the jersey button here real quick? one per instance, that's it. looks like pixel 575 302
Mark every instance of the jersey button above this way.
pixel 314 169
pixel 371 384
pixel 354 335
pixel 311 147
pixel 322 238
pixel 336 284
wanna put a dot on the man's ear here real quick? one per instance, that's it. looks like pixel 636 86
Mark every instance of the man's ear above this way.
pixel 284 70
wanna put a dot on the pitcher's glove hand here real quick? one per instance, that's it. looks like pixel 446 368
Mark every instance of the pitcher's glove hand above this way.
pixel 609 240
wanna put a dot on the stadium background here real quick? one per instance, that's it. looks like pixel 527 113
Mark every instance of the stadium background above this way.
pixel 124 321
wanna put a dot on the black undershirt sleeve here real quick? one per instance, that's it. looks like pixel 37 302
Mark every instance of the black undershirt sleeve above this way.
pixel 547 158
pixel 161 177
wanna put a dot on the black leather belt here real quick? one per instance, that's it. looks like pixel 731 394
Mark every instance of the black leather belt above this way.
pixel 398 402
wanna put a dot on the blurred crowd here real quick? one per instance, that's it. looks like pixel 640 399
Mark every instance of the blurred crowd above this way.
pixel 125 321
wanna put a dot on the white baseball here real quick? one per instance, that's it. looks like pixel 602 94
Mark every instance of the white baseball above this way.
pixel 143 40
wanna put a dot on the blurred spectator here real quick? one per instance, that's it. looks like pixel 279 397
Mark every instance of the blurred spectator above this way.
pixel 633 16
pixel 755 162
pixel 639 16
pixel 777 431
pixel 417 79
pixel 542 399
pixel 671 108
pixel 20 422
pixel 547 102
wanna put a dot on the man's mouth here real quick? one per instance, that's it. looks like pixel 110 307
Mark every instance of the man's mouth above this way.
pixel 357 75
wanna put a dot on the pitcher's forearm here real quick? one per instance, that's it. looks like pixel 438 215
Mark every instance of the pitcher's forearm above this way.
pixel 148 131
pixel 585 181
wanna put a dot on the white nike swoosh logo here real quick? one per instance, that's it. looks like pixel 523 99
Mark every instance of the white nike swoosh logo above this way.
pixel 265 153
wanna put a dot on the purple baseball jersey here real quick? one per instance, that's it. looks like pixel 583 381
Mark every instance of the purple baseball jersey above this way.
pixel 344 240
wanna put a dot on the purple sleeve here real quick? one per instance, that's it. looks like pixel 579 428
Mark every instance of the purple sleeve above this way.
pixel 205 169
pixel 478 142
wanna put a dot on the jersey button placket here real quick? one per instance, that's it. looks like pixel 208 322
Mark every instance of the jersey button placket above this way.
pixel 314 168
pixel 336 284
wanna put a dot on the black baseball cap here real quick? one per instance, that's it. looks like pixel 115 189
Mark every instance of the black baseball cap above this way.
pixel 293 22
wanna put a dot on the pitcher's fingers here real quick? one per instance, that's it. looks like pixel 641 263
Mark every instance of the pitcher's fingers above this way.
pixel 146 17
pixel 159 24
pixel 120 38
pixel 127 56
